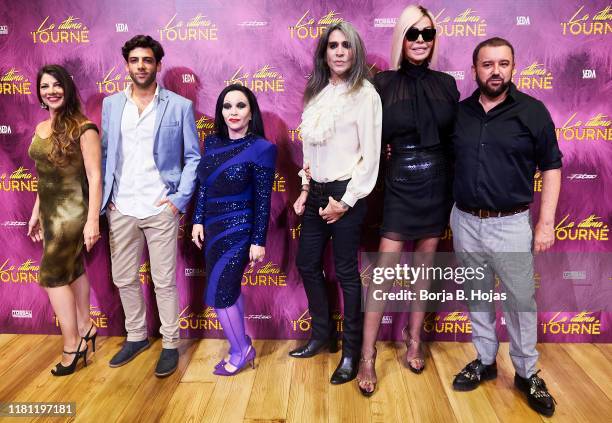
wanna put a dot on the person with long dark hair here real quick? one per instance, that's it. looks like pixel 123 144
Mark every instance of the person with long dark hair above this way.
pixel 230 220
pixel 419 107
pixel 341 129
pixel 67 154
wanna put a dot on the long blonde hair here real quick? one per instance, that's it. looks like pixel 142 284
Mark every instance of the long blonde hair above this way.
pixel 409 16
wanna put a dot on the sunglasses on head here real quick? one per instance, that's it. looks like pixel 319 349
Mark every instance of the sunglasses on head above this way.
pixel 428 34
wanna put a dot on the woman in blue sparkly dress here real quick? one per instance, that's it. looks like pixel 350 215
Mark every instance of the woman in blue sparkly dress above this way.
pixel 235 176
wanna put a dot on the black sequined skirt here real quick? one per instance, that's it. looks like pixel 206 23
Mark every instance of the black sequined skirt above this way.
pixel 418 193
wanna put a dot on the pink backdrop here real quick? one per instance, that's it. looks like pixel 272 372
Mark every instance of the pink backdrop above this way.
pixel 562 58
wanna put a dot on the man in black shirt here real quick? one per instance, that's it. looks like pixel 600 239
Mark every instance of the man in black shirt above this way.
pixel 501 137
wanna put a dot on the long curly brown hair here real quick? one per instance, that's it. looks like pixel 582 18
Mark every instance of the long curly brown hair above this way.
pixel 66 126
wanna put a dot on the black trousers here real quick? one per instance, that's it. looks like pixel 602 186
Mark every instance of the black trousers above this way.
pixel 345 235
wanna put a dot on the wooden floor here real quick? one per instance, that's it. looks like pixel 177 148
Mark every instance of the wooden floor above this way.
pixel 283 389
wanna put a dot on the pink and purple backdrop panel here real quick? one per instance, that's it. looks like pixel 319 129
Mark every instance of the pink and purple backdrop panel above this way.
pixel 562 58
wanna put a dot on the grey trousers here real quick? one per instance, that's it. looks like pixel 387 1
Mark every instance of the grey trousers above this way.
pixel 127 237
pixel 503 247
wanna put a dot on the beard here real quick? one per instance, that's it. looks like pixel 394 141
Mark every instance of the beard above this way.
pixel 490 92
pixel 147 82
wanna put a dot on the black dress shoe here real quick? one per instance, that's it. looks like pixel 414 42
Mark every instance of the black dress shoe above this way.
pixel 167 363
pixel 537 394
pixel 346 371
pixel 314 347
pixel 128 352
pixel 475 372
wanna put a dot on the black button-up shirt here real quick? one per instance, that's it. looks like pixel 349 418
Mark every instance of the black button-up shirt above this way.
pixel 497 152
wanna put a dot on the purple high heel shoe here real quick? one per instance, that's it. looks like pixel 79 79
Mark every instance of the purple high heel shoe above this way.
pixel 222 363
pixel 248 359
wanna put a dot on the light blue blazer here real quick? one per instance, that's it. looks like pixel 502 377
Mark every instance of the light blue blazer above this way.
pixel 176 149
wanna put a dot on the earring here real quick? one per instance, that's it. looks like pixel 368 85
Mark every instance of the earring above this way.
pixel 43 106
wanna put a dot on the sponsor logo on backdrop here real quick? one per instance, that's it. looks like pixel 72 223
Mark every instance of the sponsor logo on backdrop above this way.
pixel 533 77
pixel 588 22
pixel 264 79
pixel 20 180
pixel 206 319
pixel 454 322
pixel 295 135
pixel 259 317
pixel 194 272
pixel 121 27
pixel 458 75
pixel 188 78
pixel 574 275
pixel 589 74
pixel 3 29
pixel 21 314
pixel 591 228
pixel 196 28
pixel 26 272
pixel 295 232
pixel 466 23
pixel 582 176
pixel 5 129
pixel 523 21
pixel 96 316
pixel 303 323
pixel 311 27
pixel 384 22
pixel 12 83
pixel 268 274
pixel 595 128
pixel 255 24
pixel 144 273
pixel 70 30
pixel 583 323
pixel 205 126
pixel 12 223
pixel 387 320
pixel 280 183
pixel 537 181
pixel 114 81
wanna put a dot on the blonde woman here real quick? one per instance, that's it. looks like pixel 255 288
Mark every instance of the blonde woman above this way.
pixel 419 106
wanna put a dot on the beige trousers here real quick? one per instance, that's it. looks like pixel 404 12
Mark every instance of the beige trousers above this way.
pixel 127 236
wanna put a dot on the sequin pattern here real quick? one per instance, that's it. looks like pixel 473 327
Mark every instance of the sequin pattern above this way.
pixel 233 203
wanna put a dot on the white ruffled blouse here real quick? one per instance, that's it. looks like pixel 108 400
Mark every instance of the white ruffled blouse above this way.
pixel 342 138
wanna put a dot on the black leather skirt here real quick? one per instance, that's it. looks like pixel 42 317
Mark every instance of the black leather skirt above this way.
pixel 418 193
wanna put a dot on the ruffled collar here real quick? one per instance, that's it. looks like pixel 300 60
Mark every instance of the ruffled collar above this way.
pixel 321 113
pixel 415 71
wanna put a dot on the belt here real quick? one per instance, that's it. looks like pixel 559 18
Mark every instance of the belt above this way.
pixel 323 186
pixel 484 214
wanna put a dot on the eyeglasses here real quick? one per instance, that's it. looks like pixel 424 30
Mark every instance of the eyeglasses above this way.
pixel 428 34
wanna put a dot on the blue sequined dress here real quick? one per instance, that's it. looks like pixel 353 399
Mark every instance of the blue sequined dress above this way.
pixel 233 203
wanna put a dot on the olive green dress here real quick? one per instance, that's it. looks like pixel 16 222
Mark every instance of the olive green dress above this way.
pixel 63 195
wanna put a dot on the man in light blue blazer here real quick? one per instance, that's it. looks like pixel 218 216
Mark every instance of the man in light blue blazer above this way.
pixel 150 155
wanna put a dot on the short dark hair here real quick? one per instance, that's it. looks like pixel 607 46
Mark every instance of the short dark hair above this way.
pixel 255 125
pixel 491 42
pixel 144 41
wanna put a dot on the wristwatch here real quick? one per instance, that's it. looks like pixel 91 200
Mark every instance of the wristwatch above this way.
pixel 344 205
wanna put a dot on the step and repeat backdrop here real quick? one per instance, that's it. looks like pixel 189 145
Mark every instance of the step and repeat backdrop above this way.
pixel 562 58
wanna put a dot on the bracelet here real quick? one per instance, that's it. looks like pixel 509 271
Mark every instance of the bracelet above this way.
pixel 305 189
pixel 344 205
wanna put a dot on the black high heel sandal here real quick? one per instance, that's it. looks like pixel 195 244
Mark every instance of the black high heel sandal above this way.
pixel 61 370
pixel 91 338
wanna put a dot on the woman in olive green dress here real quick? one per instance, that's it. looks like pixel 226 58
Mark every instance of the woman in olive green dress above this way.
pixel 67 153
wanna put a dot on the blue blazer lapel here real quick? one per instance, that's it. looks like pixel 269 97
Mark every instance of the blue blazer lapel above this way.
pixel 161 109
pixel 115 123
